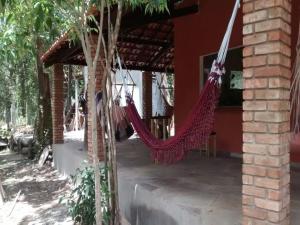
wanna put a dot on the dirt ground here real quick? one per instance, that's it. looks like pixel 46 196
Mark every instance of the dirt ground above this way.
pixel 41 189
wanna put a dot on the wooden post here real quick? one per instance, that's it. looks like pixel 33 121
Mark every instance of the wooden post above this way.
pixel 147 97
pixel 164 129
pixel 76 104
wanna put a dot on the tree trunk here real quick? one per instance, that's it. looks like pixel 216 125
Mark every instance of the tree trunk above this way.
pixel 23 90
pixel 85 77
pixel 112 42
pixel 107 116
pixel 7 114
pixel 13 115
pixel 44 120
pixel 92 107
pixel 2 194
pixel 76 106
pixel 69 93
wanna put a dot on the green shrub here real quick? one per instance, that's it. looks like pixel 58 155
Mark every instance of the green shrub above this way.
pixel 81 200
pixel 4 133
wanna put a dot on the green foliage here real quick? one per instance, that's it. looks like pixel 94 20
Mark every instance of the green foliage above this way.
pixel 170 81
pixel 81 200
pixel 72 10
pixel 4 133
pixel 21 24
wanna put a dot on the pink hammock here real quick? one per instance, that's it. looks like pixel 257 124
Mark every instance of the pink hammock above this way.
pixel 199 123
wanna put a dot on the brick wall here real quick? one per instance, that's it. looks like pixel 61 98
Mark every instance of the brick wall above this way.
pixel 147 97
pixel 267 73
pixel 58 104
pixel 99 75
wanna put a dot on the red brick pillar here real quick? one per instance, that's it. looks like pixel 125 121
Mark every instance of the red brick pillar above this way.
pixel 267 73
pixel 58 104
pixel 99 75
pixel 147 97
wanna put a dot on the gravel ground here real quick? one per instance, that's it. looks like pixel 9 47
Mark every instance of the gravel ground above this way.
pixel 41 189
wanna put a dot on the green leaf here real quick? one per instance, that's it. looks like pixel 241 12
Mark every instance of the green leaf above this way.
pixel 49 23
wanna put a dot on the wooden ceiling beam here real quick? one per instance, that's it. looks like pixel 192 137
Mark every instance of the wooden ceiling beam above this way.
pixel 150 69
pixel 75 62
pixel 129 67
pixel 70 54
pixel 140 41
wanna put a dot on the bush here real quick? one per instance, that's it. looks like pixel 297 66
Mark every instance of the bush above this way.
pixel 81 200
pixel 4 133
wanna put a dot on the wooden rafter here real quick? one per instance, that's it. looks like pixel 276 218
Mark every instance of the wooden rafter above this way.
pixel 140 41
pixel 63 57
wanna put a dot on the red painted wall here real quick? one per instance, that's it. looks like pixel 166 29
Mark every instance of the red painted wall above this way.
pixel 197 35
pixel 228 125
pixel 201 34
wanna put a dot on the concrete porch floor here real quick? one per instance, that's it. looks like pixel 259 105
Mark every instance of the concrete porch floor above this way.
pixel 196 191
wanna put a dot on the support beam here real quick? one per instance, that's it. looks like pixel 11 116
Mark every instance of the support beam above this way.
pixel 147 97
pixel 58 104
pixel 266 125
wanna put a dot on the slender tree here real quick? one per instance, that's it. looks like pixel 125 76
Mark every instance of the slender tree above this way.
pixel 80 16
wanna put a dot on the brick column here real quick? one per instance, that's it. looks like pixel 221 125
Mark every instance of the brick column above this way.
pixel 267 73
pixel 99 75
pixel 147 97
pixel 58 104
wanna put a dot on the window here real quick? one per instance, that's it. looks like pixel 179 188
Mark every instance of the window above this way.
pixel 232 81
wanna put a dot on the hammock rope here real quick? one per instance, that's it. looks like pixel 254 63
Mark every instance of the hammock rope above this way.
pixel 295 101
pixel 199 123
pixel 295 91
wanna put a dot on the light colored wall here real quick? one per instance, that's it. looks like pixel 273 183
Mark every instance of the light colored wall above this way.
pixel 137 93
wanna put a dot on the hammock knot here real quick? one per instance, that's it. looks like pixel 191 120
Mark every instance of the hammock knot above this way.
pixel 216 73
pixel 129 98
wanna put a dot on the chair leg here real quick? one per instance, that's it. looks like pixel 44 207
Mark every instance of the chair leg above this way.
pixel 164 129
pixel 215 145
pixel 207 149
